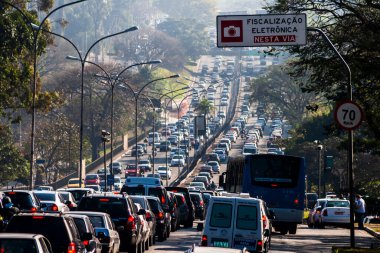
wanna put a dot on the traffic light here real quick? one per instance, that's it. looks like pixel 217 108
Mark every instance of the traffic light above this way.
pixel 329 162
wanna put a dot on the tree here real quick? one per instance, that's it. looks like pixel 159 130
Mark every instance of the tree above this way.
pixel 12 164
pixel 204 107
pixel 353 27
pixel 191 34
pixel 282 92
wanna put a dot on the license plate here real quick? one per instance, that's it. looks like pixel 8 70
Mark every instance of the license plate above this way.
pixel 241 242
pixel 222 243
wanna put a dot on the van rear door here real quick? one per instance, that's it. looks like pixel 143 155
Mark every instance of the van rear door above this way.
pixel 220 224
pixel 247 224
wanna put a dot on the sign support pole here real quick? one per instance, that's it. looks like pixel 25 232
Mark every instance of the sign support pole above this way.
pixel 350 145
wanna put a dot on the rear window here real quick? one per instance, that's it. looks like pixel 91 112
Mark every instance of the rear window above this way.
pixel 41 225
pixel 92 176
pixel 221 215
pixel 115 207
pixel 45 196
pixel 246 217
pixel 96 221
pixel 159 193
pixel 134 190
pixel 156 207
pixel 338 204
pixel 78 194
pixel 21 199
pixel 81 225
pixel 17 245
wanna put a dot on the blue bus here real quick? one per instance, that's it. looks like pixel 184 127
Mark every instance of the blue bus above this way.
pixel 277 179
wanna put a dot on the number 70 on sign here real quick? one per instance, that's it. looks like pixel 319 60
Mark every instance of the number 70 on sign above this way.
pixel 348 115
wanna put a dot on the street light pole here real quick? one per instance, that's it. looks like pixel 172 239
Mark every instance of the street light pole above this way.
pixel 105 139
pixel 83 62
pixel 36 32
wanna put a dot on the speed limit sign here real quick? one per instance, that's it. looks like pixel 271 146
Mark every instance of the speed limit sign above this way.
pixel 348 115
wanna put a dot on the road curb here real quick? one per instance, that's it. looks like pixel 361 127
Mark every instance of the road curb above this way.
pixel 372 232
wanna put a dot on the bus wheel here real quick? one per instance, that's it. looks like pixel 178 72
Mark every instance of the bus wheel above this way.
pixel 283 230
pixel 293 229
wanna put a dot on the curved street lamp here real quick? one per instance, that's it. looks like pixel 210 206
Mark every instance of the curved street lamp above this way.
pixel 136 95
pixel 83 62
pixel 36 29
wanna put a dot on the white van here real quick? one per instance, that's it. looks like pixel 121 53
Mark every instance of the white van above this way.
pixel 237 221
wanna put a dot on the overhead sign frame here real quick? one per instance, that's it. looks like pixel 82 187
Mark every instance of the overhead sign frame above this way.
pixel 261 30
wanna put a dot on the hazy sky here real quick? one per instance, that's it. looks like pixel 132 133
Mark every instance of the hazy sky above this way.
pixel 240 5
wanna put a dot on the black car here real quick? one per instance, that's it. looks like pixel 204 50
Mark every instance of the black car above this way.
pixel 188 222
pixel 123 213
pixel 58 228
pixel 165 146
pixel 140 151
pixel 24 200
pixel 184 209
pixel 163 221
pixel 175 212
pixel 197 199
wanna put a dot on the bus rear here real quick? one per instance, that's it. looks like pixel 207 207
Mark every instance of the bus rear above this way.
pixel 280 181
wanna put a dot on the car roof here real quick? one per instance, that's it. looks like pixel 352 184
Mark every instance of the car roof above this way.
pixel 88 213
pixel 19 235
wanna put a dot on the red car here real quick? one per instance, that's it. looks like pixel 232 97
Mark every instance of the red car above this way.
pixel 92 179
pixel 131 170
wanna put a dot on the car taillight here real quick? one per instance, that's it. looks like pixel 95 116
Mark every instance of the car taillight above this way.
pixel 296 202
pixel 264 218
pixel 147 215
pixel 54 207
pixel 324 213
pixel 72 248
pixel 259 246
pixel 160 215
pixel 201 203
pixel 131 222
pixel 86 242
pixel 33 209
pixel 204 240
pixel 183 199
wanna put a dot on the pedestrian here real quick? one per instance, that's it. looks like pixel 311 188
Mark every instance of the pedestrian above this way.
pixel 359 210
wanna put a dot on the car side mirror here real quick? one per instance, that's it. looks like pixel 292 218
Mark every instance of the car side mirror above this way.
pixel 266 232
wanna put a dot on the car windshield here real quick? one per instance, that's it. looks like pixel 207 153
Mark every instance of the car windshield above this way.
pixel 177 157
pixel 45 196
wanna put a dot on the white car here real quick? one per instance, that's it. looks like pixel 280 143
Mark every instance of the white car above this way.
pixel 164 172
pixel 336 212
pixel 177 160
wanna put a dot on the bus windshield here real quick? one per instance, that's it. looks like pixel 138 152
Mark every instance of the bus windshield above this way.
pixel 275 172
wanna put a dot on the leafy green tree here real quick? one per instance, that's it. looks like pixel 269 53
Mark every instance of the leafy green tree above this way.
pixel 353 27
pixel 12 164
pixel 204 107
pixel 190 32
pixel 282 92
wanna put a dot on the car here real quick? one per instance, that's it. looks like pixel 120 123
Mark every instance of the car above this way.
pixel 165 146
pixel 206 168
pixel 198 186
pixel 24 200
pixel 78 193
pixel 117 183
pixel 96 187
pixel 206 174
pixel 249 150
pixel 131 170
pixel 203 179
pixel 313 220
pixel 105 230
pixel 44 188
pixel 188 221
pixel 164 172
pixel 84 226
pixel 174 211
pixel 163 218
pixel 116 167
pixel 70 200
pixel 173 140
pixel 145 232
pixel 155 175
pixel 92 179
pixel 52 201
pixel 144 146
pixel 214 166
pixel 212 157
pixel 103 171
pixel 336 212
pixel 149 217
pixel 197 199
pixel 224 102
pixel 221 154
pixel 74 182
pixel 177 160
pixel 123 213
pixel 221 114
pixel 24 243
pixel 137 151
pixel 144 164
pixel 65 238
pixel 244 221
pixel 184 209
